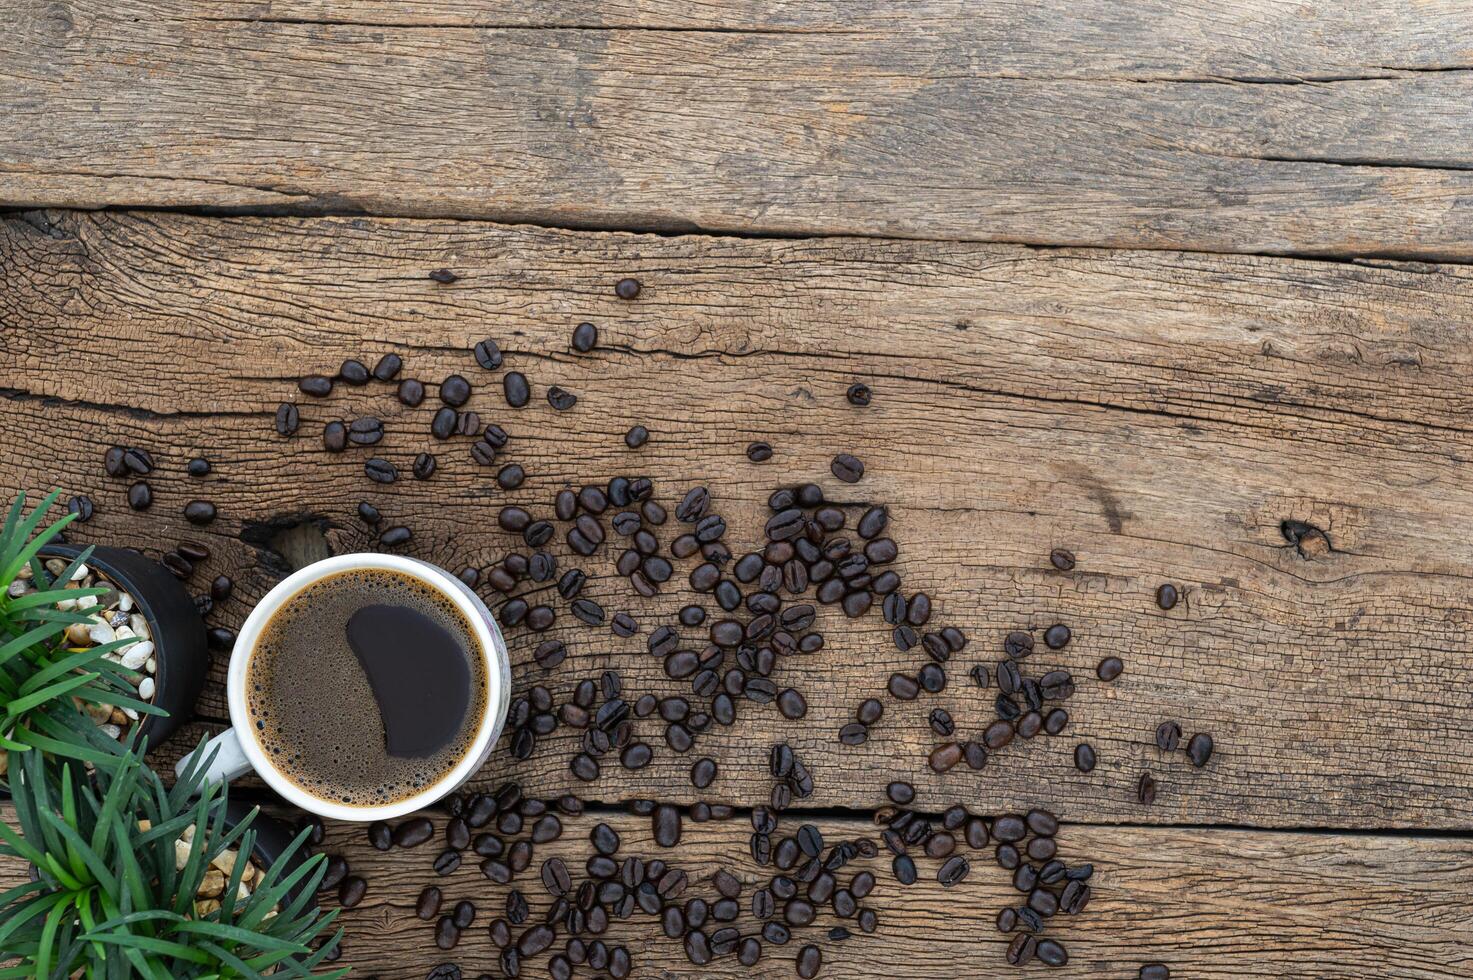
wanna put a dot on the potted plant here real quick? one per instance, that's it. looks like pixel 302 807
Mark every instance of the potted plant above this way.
pixel 51 686
pixel 133 879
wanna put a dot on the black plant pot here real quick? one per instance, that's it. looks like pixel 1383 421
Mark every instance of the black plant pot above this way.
pixel 180 649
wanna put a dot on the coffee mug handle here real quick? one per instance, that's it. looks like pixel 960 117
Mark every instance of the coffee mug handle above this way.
pixel 229 759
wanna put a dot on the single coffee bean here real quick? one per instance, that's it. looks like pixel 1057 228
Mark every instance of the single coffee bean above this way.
pixel 810 961
pixel 1166 596
pixel 447 861
pixel 1155 971
pixel 1051 953
pixel 1199 749
pixel 953 871
pixel 1145 789
pixel 387 368
pixel 1109 669
pixel 703 773
pixel 198 466
pixel 140 496
pixel 1056 636
pixel 1168 736
pixel 428 904
pixel 455 391
pixel 637 436
pixel 514 386
pixel 1021 950
pixel 316 385
pixel 903 687
pixel 287 419
pixel 351 891
pixel 1061 559
pixel 1084 757
pixel 395 536
pixel 488 354
pixel 380 835
pixel 560 398
pixel 353 372
pixel 858 394
pixel 424 466
pixel 585 337
pixel 759 452
pixel 791 704
pixel 847 468
pixel 627 288
pixel 413 832
pixel 380 470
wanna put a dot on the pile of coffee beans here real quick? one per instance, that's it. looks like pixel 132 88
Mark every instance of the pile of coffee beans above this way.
pixel 724 655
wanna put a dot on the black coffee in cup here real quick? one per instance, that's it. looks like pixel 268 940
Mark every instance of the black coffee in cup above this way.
pixel 366 687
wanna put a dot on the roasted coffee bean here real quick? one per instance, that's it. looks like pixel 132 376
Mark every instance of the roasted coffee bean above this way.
pixel 1155 971
pixel 904 868
pixel 353 372
pixel 858 394
pixel 944 756
pixel 510 477
pixel 1166 596
pixel 703 773
pixel 351 891
pixel 455 391
pixel 953 871
pixel 178 566
pixel 380 470
pixel 1021 950
pixel 82 506
pixel 853 733
pixel 810 961
pixel 759 452
pixel 856 604
pixel 388 367
pixel 847 468
pixel 791 704
pixel 1199 749
pixel 1056 636
pixel 140 496
pixel 560 398
pixel 1168 736
pixel 334 437
pixel 1145 789
pixel 488 354
pixel 443 425
pixel 1109 668
pixel 114 461
pixel 514 386
pixel 665 824
pixel 316 385
pixel 395 536
pixel 627 288
pixel 424 466
pixel 447 861
pixel 900 792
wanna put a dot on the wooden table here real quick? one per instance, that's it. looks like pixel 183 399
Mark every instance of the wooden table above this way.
pixel 1179 287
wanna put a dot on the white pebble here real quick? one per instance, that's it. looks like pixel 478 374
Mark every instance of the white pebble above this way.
pixel 67 605
pixel 145 689
pixel 123 633
pixel 181 854
pixel 80 573
pixel 110 730
pixel 131 713
pixel 139 626
pixel 125 602
pixel 101 633
pixel 137 655
pixel 86 601
pixel 152 666
pixel 17 589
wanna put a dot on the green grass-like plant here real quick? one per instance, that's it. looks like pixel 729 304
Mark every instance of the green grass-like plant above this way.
pixel 41 678
pixel 110 902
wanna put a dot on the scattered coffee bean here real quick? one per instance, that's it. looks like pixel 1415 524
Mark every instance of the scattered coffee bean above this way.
pixel 455 391
pixel 287 419
pixel 1199 749
pixel 561 399
pixel 1155 971
pixel 351 891
pixel 637 436
pixel 140 496
pixel 198 466
pixel 627 288
pixel 380 470
pixel 1109 669
pixel 1168 736
pixel 1061 559
pixel 847 468
pixel 1056 636
pixel 316 385
pixel 514 386
pixel 759 452
pixel 353 372
pixel 1145 789
pixel 488 354
pixel 858 394
pixel 199 512
pixel 1166 596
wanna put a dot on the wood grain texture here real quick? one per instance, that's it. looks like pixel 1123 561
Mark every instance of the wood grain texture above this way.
pixel 1158 414
pixel 1213 904
pixel 1334 129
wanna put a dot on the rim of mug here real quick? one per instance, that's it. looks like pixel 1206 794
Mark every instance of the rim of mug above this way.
pixel 476 613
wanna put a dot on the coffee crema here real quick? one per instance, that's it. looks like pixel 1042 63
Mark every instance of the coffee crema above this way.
pixel 366 687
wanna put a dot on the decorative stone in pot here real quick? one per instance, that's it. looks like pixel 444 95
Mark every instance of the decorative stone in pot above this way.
pixel 147 602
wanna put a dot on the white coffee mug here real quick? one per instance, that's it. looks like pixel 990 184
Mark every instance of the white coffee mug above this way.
pixel 237 750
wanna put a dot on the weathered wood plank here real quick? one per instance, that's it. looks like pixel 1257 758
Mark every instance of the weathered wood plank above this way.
pixel 1160 414
pixel 1047 122
pixel 1210 903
